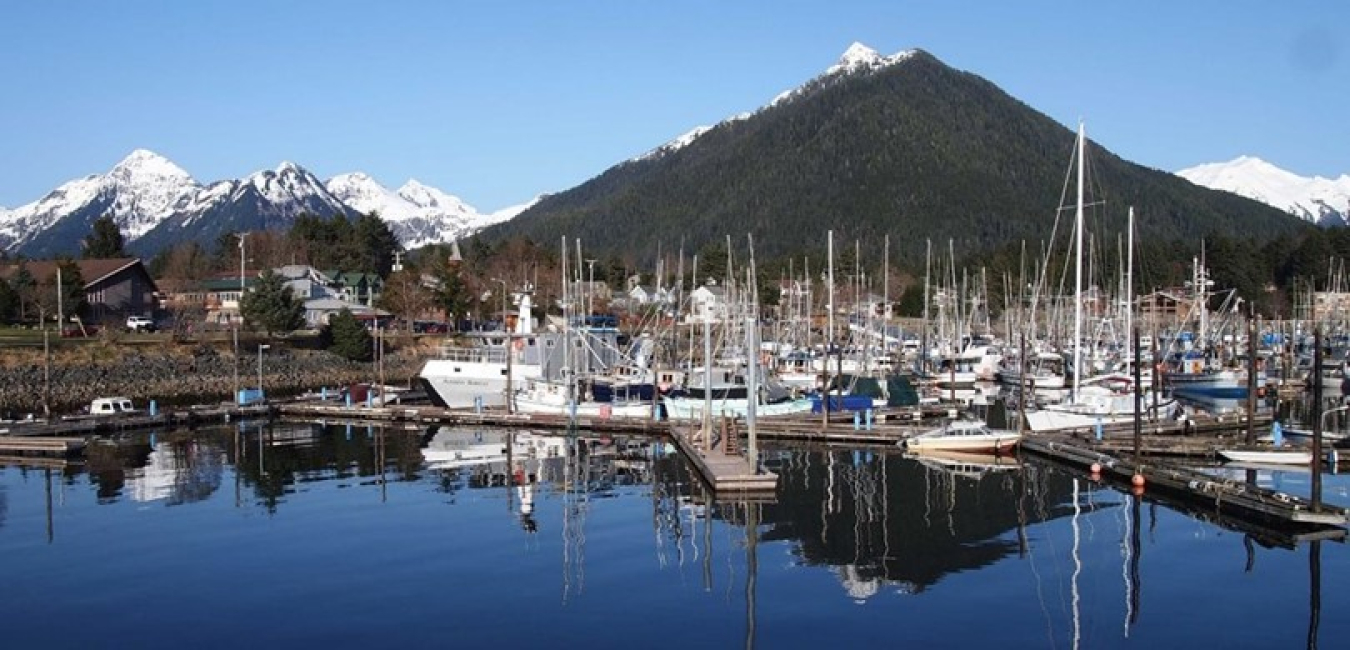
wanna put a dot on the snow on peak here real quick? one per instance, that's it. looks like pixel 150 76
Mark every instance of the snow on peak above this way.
pixel 679 142
pixel 1315 199
pixel 138 192
pixel 860 57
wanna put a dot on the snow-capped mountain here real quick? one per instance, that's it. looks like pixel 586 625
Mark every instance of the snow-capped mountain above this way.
pixel 157 204
pixel 1320 200
pixel 267 199
pixel 858 58
pixel 417 214
pixel 139 192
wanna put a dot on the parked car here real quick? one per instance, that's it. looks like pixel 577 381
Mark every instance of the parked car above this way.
pixel 140 324
pixel 429 327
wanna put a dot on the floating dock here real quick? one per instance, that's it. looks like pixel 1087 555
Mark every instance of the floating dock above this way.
pixel 719 462
pixel 1216 492
pixel 23 445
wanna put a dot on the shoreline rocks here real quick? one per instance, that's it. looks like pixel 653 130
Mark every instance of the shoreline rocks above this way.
pixel 174 377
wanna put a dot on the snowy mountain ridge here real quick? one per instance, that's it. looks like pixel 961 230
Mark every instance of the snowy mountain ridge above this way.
pixel 1323 201
pixel 156 204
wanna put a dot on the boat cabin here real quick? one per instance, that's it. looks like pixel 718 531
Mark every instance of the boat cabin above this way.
pixel 110 406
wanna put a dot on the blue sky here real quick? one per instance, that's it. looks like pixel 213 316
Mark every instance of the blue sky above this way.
pixel 499 101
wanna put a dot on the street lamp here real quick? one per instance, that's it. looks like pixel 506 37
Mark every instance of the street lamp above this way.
pixel 260 377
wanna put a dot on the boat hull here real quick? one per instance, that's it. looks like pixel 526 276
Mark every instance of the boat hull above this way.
pixel 1271 457
pixel 678 408
pixel 991 443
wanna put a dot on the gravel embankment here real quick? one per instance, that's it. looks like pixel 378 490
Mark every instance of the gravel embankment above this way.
pixel 180 377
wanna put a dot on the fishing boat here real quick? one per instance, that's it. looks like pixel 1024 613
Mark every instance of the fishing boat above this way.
pixel 963 436
pixel 1197 371
pixel 478 374
pixel 552 397
pixel 728 395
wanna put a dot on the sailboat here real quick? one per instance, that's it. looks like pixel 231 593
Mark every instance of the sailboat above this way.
pixel 1099 402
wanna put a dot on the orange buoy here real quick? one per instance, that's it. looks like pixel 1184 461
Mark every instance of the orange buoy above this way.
pixel 1137 480
pixel 1096 468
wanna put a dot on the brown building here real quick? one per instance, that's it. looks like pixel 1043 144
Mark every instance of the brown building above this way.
pixel 113 288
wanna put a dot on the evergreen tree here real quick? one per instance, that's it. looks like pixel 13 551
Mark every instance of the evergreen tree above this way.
pixel 105 241
pixel 271 306
pixel 347 337
pixel 374 244
pixel 25 289
pixel 451 294
pixel 9 302
pixel 72 288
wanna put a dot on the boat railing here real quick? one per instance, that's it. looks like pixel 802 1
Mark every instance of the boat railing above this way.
pixel 472 355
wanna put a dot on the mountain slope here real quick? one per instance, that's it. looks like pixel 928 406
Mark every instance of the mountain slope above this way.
pixel 268 199
pixel 902 146
pixel 139 192
pixel 1320 200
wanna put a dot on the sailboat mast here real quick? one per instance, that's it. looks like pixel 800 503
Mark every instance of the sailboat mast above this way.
pixel 1129 275
pixel 1078 270
pixel 829 336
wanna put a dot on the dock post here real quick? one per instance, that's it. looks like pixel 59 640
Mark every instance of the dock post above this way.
pixel 154 409
pixel 349 399
pixel 323 393
pixel 869 419
pixel 856 420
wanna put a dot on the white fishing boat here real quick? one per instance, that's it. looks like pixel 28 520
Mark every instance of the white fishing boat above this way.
pixel 477 375
pixel 1273 456
pixel 963 436
pixel 551 397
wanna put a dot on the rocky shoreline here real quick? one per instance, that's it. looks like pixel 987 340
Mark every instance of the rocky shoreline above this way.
pixel 177 377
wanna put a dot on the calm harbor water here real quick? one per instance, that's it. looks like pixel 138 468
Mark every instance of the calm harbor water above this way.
pixel 293 534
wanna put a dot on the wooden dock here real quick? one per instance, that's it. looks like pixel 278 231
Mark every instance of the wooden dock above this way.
pixel 433 415
pixel 720 464
pixel 64 446
pixel 1215 492
pixel 90 425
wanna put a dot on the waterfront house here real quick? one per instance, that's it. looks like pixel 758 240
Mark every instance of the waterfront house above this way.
pixel 114 288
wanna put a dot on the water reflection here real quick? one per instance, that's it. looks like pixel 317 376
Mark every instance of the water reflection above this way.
pixel 879 527
pixel 886 521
